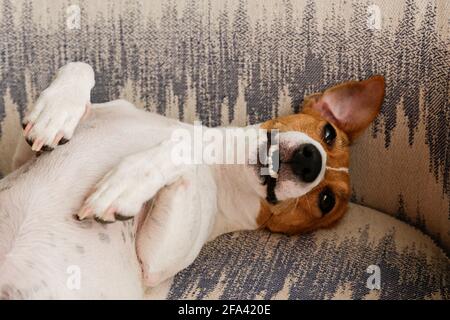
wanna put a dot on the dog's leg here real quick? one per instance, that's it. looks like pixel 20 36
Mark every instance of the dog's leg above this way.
pixel 177 227
pixel 123 191
pixel 60 107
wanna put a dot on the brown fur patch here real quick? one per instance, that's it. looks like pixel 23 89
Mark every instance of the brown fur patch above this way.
pixel 303 214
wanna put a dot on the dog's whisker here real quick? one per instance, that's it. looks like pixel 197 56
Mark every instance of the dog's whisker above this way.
pixel 340 169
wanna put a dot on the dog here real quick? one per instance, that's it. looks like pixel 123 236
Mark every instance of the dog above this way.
pixel 100 163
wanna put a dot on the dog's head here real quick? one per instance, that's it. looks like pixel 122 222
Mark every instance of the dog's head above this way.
pixel 312 187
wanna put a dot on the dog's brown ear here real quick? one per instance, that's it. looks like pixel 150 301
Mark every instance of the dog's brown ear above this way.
pixel 350 106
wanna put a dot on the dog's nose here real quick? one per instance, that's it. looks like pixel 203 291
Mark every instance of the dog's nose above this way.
pixel 307 162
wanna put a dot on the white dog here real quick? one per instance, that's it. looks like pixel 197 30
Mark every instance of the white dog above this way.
pixel 121 157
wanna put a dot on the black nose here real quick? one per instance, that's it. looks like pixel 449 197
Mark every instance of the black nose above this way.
pixel 307 162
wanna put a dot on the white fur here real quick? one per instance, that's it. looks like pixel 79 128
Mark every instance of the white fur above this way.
pixel 124 152
pixel 71 89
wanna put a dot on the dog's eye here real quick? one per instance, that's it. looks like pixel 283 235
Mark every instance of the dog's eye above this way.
pixel 329 134
pixel 326 200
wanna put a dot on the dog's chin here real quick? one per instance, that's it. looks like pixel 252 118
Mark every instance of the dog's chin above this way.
pixel 272 226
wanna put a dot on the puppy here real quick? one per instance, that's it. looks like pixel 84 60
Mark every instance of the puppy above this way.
pixel 118 164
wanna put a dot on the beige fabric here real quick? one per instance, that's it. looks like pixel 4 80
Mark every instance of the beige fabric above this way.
pixel 329 264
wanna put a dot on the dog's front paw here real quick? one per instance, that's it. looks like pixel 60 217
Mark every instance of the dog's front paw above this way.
pixel 52 122
pixel 60 107
pixel 121 194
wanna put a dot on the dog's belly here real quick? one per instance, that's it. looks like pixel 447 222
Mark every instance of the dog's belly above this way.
pixel 44 251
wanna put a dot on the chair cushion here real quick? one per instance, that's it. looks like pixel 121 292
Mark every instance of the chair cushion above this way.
pixel 327 264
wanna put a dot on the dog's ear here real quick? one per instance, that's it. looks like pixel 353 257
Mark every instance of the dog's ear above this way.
pixel 350 106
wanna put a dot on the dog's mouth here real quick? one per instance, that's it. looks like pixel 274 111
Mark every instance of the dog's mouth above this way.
pixel 270 175
pixel 270 183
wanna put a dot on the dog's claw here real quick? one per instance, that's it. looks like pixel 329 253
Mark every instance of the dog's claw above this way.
pixel 29 141
pixel 37 145
pixel 100 220
pixel 63 141
pixel 109 215
pixel 27 128
pixel 120 217
pixel 84 213
pixel 58 138
pixel 47 148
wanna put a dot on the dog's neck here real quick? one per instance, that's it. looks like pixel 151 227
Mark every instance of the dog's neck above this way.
pixel 239 195
pixel 238 202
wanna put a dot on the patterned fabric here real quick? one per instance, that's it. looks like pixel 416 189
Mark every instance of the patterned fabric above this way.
pixel 237 62
pixel 329 264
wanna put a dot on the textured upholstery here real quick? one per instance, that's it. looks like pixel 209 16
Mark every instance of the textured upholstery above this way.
pixel 237 62
pixel 325 265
